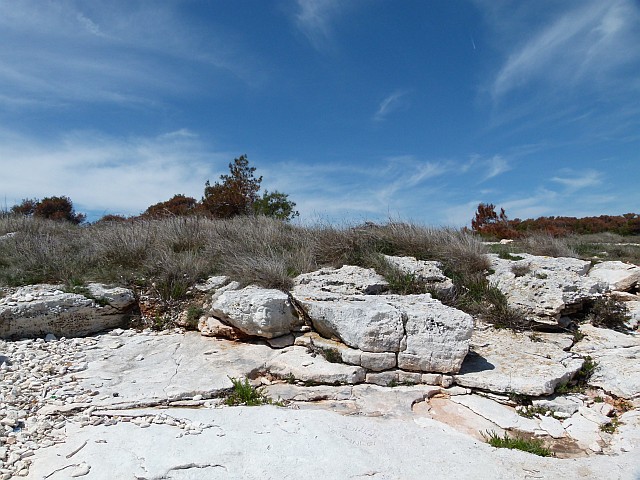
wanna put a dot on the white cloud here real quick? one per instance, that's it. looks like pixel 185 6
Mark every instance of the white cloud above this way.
pixel 496 165
pixel 486 167
pixel 104 174
pixel 586 45
pixel 576 181
pixel 314 18
pixel 392 103
pixel 116 52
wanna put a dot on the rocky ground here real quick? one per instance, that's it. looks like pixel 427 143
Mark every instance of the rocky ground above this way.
pixel 148 405
pixel 363 384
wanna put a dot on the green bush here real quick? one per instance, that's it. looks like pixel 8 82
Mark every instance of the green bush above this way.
pixel 243 393
pixel 607 312
pixel 532 445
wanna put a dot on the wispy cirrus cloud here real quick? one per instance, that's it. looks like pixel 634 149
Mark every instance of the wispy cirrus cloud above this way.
pixel 496 165
pixel 578 180
pixel 588 45
pixel 394 102
pixel 485 167
pixel 315 19
pixel 54 53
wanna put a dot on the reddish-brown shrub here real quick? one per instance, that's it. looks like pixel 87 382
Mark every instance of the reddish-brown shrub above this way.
pixel 178 205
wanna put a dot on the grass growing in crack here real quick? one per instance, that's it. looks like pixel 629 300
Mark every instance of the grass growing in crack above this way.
pixel 532 445
pixel 580 381
pixel 331 355
pixel 243 393
pixel 611 427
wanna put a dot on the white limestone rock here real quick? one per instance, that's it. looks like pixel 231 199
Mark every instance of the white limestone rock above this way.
pixel 552 426
pixel 505 417
pixel 428 335
pixel 299 363
pixel 617 356
pixel 212 283
pixel 365 322
pixel 565 405
pixel 502 361
pixel 256 311
pixel 436 336
pixel 549 287
pixel 378 361
pixel 348 355
pixel 37 310
pixel 212 327
pixel 347 280
pixel 618 276
pixel 634 314
pixel 583 430
pixel 383 379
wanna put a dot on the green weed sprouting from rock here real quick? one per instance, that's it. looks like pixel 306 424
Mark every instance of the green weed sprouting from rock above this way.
pixel 580 381
pixel 509 256
pixel 193 315
pixel 331 355
pixel 608 313
pixel 243 393
pixel 611 427
pixel 532 445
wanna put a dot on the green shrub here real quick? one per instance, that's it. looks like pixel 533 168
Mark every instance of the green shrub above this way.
pixel 243 393
pixel 193 315
pixel 607 312
pixel 532 445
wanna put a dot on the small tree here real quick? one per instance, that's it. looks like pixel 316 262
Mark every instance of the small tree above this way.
pixel 53 208
pixel 26 207
pixel 489 223
pixel 235 194
pixel 275 204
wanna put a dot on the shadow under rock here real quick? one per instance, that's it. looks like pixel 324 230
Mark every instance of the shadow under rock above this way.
pixel 474 362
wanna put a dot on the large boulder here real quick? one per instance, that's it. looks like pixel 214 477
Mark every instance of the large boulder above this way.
pixel 365 322
pixel 436 336
pixel 618 276
pixel 545 288
pixel 427 335
pixel 256 311
pixel 37 310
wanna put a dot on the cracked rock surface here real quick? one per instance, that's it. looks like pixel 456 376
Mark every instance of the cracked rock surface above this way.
pixel 146 405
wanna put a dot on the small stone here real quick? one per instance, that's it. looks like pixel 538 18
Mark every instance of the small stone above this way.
pixel 50 337
pixel 81 470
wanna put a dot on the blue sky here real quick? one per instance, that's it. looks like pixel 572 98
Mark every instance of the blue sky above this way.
pixel 359 110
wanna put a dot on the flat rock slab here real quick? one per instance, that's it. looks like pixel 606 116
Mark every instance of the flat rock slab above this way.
pixel 297 363
pixel 270 442
pixel 502 361
pixel 147 369
pixel 616 275
pixel 505 417
pixel 37 310
pixel 618 360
